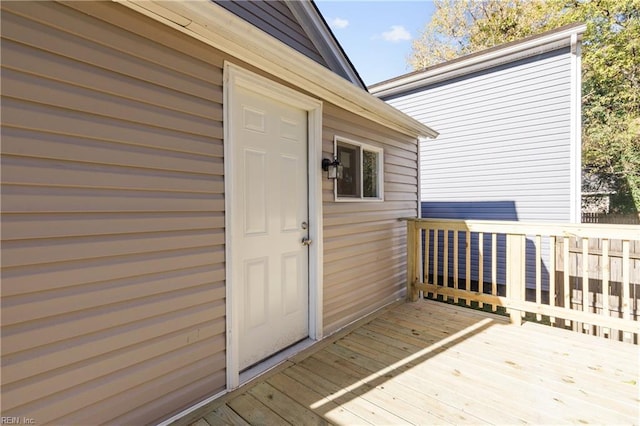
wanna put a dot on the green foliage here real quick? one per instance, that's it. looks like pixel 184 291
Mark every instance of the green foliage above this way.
pixel 610 64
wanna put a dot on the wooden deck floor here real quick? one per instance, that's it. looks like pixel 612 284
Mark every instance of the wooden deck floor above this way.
pixel 432 363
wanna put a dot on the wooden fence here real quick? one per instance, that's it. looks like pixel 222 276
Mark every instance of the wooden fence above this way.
pixel 589 279
pixel 611 218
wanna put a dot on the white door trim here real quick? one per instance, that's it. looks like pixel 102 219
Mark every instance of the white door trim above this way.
pixel 235 76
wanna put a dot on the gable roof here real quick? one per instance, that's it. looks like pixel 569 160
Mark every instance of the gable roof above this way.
pixel 217 27
pixel 501 54
pixel 322 37
pixel 300 25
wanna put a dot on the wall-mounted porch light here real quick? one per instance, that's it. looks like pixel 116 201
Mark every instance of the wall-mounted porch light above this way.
pixel 333 168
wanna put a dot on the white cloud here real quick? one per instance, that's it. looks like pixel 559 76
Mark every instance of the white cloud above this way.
pixel 339 23
pixel 396 33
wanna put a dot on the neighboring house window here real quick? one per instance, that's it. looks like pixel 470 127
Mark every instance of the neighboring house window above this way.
pixel 362 171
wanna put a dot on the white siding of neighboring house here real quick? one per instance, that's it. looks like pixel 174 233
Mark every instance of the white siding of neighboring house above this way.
pixel 504 150
pixel 504 141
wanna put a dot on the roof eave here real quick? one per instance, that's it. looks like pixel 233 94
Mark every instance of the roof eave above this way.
pixel 324 40
pixel 215 26
pixel 478 61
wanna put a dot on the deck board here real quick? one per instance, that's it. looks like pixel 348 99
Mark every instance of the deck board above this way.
pixel 303 392
pixel 435 363
pixel 224 415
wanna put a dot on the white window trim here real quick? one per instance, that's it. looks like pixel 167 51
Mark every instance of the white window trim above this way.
pixel 368 147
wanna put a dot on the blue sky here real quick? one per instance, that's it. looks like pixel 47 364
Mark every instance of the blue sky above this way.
pixel 377 35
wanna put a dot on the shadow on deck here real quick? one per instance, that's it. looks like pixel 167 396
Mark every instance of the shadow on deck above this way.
pixel 434 363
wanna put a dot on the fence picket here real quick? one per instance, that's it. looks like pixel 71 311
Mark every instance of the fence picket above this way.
pixel 467 240
pixel 494 268
pixel 538 259
pixel 427 235
pixel 480 265
pixel 565 280
pixel 604 259
pixel 604 264
pixel 436 249
pixel 585 280
pixel 445 259
pixel 626 314
pixel 552 274
pixel 455 263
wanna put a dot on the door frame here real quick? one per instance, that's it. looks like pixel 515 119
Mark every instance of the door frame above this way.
pixel 235 76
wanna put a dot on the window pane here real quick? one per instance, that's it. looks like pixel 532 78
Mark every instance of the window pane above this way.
pixel 349 183
pixel 370 174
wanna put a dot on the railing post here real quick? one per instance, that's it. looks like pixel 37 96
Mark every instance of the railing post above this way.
pixel 515 268
pixel 412 261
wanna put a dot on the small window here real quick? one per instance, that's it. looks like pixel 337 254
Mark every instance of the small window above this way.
pixel 362 173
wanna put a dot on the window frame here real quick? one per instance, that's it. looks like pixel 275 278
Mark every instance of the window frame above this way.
pixel 362 146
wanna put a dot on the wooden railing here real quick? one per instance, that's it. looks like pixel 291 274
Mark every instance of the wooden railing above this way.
pixel 580 276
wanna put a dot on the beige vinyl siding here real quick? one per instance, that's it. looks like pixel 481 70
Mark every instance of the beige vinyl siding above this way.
pixel 113 256
pixel 364 242
pixel 113 297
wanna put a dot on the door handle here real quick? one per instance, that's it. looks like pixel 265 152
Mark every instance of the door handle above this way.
pixel 306 241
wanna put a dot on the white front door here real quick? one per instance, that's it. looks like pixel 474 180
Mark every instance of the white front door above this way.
pixel 270 208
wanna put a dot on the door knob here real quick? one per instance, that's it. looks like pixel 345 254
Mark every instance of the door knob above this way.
pixel 306 241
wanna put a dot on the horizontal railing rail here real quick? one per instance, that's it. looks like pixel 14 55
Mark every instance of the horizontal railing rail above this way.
pixel 582 276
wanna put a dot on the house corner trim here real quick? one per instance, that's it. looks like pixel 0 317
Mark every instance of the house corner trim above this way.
pixel 576 131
